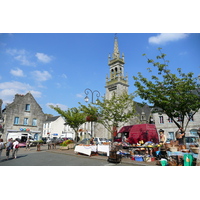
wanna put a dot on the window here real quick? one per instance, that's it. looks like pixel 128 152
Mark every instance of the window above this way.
pixel 25 121
pixel 171 136
pixel 27 107
pixel 179 118
pixel 16 120
pixel 170 120
pixel 191 118
pixel 34 122
pixel 193 132
pixel 161 119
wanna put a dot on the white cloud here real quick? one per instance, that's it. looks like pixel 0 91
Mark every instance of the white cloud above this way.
pixel 17 72
pixel 64 76
pixel 183 53
pixel 14 52
pixel 43 57
pixel 21 55
pixel 41 76
pixel 79 95
pixel 167 37
pixel 9 89
pixel 61 106
pixel 36 94
pixel 15 85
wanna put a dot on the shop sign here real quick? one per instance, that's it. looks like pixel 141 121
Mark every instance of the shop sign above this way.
pixel 24 129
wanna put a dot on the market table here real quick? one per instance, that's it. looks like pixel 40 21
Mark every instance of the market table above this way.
pixel 103 148
pixel 180 153
pixel 139 147
pixel 85 149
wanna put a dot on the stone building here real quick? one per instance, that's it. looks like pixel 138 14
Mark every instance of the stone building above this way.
pixel 23 115
pixel 162 121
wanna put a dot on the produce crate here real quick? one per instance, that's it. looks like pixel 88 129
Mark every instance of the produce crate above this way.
pixel 139 158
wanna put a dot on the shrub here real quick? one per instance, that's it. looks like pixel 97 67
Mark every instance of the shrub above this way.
pixel 66 142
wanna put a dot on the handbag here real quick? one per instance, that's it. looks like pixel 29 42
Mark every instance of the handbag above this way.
pixel 16 146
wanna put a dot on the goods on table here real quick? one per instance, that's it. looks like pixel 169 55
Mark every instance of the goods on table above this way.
pixel 195 149
pixel 173 149
pixel 105 143
pixel 185 150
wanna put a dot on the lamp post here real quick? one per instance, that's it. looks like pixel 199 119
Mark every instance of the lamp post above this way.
pixel 87 90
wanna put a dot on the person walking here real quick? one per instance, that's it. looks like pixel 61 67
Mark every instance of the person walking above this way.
pixel 8 148
pixel 28 144
pixel 15 148
pixel 1 147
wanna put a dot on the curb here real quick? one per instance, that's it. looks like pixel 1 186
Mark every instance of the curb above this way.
pixel 128 161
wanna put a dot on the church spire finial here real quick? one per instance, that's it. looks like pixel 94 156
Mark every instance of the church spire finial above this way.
pixel 116 48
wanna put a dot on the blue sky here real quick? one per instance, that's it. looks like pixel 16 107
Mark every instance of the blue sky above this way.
pixel 58 67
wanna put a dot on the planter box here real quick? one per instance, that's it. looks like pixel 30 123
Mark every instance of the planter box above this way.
pixel 71 146
pixel 64 147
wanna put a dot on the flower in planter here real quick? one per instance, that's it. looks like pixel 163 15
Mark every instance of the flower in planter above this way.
pixel 66 142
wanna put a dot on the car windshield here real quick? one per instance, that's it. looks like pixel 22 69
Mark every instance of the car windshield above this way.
pixel 191 139
pixel 102 139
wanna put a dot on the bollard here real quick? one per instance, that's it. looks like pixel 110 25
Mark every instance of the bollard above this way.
pixel 38 147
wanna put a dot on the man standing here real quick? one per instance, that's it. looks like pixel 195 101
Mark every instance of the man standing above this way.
pixel 15 148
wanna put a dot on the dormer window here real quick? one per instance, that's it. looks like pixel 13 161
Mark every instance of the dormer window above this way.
pixel 27 107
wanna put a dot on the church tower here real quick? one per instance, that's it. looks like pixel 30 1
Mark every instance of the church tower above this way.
pixel 117 83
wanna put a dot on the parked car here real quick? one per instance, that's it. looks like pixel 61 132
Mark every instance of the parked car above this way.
pixel 191 140
pixel 44 140
pixel 84 141
pixel 98 140
pixel 57 140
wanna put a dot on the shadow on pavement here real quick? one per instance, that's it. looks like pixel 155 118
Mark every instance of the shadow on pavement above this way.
pixel 4 160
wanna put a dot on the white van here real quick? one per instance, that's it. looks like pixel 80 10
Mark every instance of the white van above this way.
pixel 22 136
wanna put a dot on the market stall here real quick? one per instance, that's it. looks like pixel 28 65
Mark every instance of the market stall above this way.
pixel 178 155
pixel 85 149
pixel 103 148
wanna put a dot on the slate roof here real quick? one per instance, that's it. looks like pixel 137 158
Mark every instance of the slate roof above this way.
pixel 51 119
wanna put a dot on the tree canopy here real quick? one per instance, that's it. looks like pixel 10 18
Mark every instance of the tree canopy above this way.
pixel 74 117
pixel 178 96
pixel 115 111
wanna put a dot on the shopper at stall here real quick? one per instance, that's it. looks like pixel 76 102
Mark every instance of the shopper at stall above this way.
pixel 198 132
pixel 162 136
pixel 92 141
pixel 180 135
pixel 1 147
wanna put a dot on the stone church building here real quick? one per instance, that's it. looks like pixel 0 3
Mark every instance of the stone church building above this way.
pixel 117 83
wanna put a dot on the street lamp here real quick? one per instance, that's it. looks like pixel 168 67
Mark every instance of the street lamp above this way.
pixel 87 90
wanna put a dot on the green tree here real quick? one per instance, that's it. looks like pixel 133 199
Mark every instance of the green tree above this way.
pixel 74 117
pixel 115 111
pixel 175 95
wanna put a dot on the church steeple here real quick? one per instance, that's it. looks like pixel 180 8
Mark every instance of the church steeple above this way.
pixel 116 48
pixel 116 82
